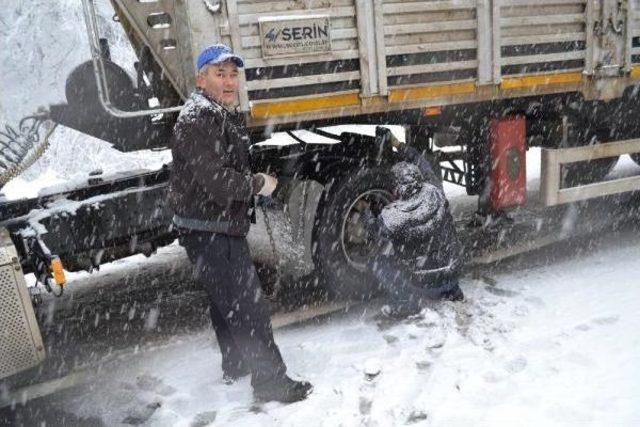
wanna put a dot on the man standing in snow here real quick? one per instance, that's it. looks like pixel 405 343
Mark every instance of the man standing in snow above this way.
pixel 211 193
pixel 423 257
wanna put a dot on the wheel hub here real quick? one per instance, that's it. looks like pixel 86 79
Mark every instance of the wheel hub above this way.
pixel 356 245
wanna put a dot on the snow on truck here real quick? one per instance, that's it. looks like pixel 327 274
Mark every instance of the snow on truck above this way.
pixel 475 83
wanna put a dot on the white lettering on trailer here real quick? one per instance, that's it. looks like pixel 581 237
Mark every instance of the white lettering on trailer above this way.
pixel 295 35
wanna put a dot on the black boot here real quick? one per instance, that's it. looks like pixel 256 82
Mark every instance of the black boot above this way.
pixel 282 389
pixel 454 294
pixel 399 310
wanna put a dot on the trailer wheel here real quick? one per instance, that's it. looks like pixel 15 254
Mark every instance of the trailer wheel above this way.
pixel 341 247
pixel 581 173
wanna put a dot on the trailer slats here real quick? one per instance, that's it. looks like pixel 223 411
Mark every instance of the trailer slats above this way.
pixel 386 49
pixel 535 59
pixel 431 6
pixel 540 37
pixel 522 21
pixel 431 47
pixel 304 80
pixel 430 27
pixel 269 7
pixel 537 2
pixel 252 18
pixel 423 41
pixel 432 68
pixel 272 62
pixel 544 38
pixel 437 42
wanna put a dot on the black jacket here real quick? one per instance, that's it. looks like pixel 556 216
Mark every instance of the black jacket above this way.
pixel 419 224
pixel 211 185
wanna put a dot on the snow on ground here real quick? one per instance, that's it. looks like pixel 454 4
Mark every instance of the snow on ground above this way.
pixel 550 345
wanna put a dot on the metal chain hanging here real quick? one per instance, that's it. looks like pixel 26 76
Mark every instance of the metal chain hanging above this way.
pixel 272 242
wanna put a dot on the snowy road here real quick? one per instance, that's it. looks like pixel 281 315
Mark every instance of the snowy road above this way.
pixel 546 339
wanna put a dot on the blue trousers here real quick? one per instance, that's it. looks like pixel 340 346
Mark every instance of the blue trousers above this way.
pixel 223 267
pixel 402 288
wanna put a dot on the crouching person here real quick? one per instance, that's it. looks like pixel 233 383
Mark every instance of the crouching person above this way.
pixel 211 193
pixel 422 257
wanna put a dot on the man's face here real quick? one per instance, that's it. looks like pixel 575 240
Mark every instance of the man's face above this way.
pixel 220 81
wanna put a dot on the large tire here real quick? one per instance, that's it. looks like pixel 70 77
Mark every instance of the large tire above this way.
pixel 587 172
pixel 635 157
pixel 340 247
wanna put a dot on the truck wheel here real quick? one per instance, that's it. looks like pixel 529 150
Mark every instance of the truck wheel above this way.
pixel 635 157
pixel 341 247
pixel 581 173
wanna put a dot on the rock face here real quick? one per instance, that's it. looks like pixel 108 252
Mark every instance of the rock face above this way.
pixel 42 42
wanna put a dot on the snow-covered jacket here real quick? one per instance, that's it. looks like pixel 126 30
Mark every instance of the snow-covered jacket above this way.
pixel 211 185
pixel 419 224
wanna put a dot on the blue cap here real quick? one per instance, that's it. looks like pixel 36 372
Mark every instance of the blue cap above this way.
pixel 216 54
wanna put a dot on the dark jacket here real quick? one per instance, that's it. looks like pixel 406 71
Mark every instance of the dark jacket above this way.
pixel 419 224
pixel 211 185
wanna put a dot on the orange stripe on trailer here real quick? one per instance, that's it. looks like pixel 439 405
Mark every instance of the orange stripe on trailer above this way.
pixel 435 91
pixel 281 108
pixel 540 80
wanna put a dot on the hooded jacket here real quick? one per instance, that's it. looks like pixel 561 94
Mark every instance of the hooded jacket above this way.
pixel 419 224
pixel 211 185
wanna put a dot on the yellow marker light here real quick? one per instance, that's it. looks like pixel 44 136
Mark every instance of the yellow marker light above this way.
pixel 432 111
pixel 58 272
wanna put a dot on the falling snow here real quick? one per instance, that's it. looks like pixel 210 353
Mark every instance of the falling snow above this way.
pixel 545 339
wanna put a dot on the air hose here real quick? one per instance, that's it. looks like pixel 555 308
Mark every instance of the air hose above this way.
pixel 21 147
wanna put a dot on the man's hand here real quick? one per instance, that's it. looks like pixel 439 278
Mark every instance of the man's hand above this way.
pixel 389 136
pixel 373 207
pixel 395 142
pixel 361 205
pixel 258 182
pixel 264 184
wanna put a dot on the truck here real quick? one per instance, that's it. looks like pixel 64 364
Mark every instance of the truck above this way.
pixel 474 83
